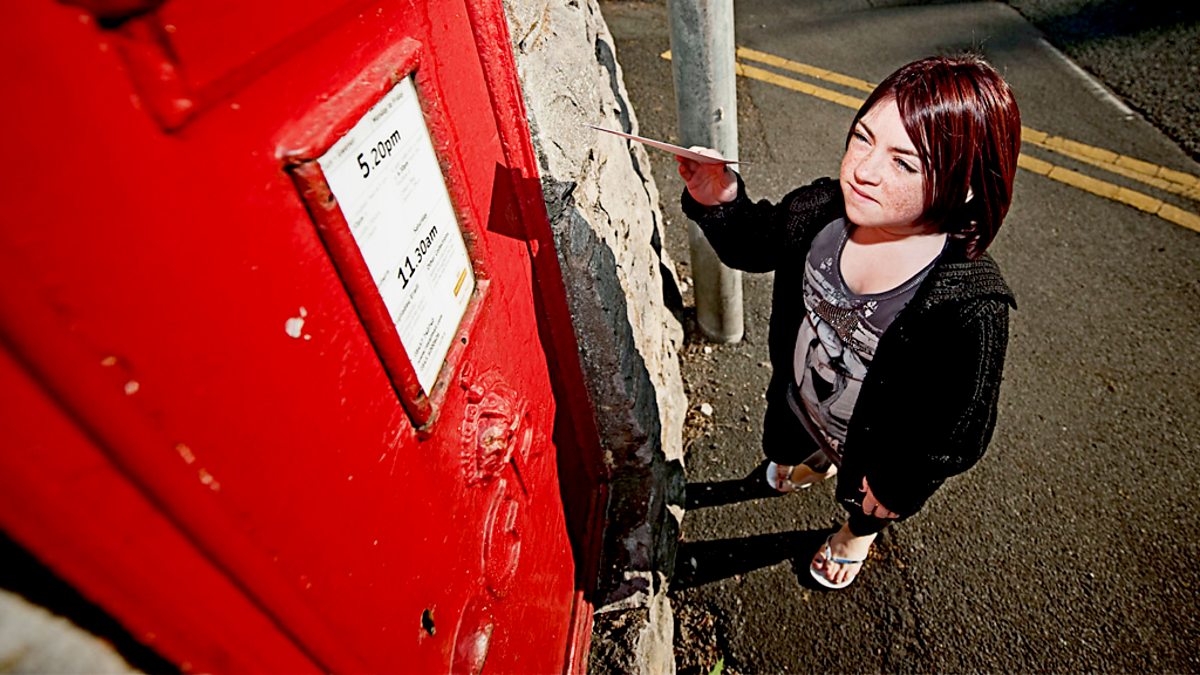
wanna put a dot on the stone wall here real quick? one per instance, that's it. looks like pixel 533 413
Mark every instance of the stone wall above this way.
pixel 33 640
pixel 603 207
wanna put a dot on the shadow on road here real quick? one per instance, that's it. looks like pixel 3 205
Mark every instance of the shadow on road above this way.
pixel 720 493
pixel 1069 23
pixel 703 562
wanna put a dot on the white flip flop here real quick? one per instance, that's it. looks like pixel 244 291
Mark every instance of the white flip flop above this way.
pixel 819 576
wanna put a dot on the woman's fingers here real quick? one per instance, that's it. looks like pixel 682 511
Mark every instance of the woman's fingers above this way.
pixel 871 505
pixel 690 168
pixel 693 166
pixel 687 167
pixel 709 184
pixel 707 152
pixel 878 510
pixel 868 503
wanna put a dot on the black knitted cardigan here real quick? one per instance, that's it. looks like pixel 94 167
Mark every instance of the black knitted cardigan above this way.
pixel 927 408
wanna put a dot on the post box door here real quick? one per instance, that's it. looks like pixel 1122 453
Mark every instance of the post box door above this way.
pixel 228 326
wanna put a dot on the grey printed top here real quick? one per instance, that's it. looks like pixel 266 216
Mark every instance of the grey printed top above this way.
pixel 837 338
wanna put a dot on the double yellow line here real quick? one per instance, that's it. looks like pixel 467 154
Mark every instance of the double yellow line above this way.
pixel 1147 173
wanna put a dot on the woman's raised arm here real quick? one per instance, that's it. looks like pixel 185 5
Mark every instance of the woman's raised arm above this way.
pixel 755 236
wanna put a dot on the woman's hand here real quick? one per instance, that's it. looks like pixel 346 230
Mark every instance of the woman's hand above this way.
pixel 709 184
pixel 871 506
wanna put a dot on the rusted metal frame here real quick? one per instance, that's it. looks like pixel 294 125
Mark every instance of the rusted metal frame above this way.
pixel 494 46
pixel 73 378
pixel 318 131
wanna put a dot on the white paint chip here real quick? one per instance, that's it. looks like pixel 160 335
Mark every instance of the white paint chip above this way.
pixel 131 387
pixel 206 478
pixel 294 326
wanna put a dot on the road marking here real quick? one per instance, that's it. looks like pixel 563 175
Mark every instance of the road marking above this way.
pixel 804 69
pixel 1160 177
pixel 797 85
pixel 1117 193
pixel 1134 169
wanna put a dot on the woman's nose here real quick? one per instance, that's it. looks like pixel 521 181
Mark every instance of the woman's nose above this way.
pixel 866 169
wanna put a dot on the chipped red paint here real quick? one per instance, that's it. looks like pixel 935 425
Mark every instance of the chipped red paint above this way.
pixel 213 431
pixel 155 71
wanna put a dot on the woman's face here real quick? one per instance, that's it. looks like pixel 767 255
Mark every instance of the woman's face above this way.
pixel 881 177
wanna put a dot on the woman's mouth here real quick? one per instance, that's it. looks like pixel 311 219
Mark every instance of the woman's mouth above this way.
pixel 861 195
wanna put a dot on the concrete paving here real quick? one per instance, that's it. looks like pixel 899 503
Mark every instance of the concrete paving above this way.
pixel 1070 546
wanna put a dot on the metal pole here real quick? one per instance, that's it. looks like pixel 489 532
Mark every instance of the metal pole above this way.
pixel 702 61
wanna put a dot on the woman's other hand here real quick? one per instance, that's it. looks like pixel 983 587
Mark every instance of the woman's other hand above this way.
pixel 871 506
pixel 709 184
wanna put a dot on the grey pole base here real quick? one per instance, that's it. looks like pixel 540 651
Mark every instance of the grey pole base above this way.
pixel 718 291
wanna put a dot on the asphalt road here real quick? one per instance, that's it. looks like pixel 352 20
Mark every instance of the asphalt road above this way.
pixel 1147 52
pixel 1070 547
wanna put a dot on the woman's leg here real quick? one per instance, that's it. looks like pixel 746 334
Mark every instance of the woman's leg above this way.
pixel 862 525
pixel 785 441
pixel 797 461
pixel 819 462
pixel 814 469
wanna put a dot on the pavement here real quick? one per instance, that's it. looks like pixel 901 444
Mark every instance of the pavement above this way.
pixel 1070 546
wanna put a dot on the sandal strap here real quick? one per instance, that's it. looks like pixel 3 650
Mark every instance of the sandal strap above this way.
pixel 841 561
pixel 778 483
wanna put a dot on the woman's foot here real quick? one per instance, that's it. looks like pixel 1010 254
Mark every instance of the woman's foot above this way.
pixel 840 559
pixel 786 478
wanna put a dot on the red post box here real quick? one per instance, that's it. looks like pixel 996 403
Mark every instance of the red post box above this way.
pixel 287 375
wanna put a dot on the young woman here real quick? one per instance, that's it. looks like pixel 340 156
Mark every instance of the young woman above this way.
pixel 889 323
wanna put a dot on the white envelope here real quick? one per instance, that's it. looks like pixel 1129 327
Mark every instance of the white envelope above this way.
pixel 673 149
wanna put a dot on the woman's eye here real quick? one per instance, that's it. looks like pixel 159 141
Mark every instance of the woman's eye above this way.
pixel 860 136
pixel 906 167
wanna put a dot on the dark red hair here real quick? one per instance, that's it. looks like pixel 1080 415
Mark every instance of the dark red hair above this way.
pixel 964 121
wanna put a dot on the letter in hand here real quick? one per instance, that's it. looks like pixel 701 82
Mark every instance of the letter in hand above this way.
pixel 709 184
